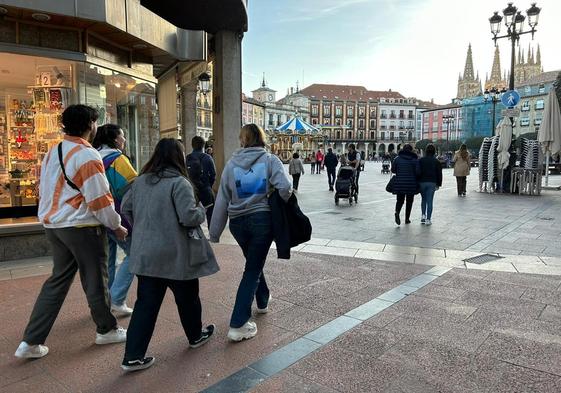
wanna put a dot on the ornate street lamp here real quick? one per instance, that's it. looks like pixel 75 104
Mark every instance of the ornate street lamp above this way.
pixel 514 22
pixel 204 83
pixel 493 96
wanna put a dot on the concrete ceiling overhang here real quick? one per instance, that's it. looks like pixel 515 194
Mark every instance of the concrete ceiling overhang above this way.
pixel 208 15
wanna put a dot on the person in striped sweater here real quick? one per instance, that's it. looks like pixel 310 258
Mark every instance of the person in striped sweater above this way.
pixel 75 207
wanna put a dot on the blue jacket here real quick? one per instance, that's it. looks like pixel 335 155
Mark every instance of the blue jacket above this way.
pixel 405 168
pixel 207 164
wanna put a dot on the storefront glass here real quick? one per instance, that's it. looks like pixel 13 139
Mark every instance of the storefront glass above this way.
pixel 34 91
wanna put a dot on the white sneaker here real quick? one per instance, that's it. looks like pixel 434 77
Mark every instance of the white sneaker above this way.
pixel 26 351
pixel 428 222
pixel 266 309
pixel 122 310
pixel 118 335
pixel 247 331
pixel 423 219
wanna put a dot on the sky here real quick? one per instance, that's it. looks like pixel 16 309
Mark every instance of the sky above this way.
pixel 416 47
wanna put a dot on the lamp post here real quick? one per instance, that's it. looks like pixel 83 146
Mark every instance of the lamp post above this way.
pixel 493 96
pixel 448 119
pixel 514 22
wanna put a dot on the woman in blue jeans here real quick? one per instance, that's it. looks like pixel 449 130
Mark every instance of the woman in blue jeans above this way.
pixel 242 197
pixel 430 179
pixel 110 141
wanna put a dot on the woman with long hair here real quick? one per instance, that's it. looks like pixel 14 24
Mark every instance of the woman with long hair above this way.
pixel 430 180
pixel 242 197
pixel 295 169
pixel 110 142
pixel 169 250
pixel 462 169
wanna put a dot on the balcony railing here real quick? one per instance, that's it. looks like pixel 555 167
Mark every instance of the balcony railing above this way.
pixel 392 116
pixel 383 116
pixel 410 117
pixel 392 127
pixel 383 128
pixel 402 116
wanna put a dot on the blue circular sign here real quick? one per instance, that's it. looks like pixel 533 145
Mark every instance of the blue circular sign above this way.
pixel 510 98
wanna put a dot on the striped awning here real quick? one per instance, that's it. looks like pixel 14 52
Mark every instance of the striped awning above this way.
pixel 297 125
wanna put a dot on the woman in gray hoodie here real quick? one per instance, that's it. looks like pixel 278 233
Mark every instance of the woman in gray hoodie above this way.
pixel 169 250
pixel 243 197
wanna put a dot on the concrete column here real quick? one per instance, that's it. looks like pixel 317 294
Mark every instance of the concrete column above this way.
pixel 188 113
pixel 366 149
pixel 227 88
pixel 344 147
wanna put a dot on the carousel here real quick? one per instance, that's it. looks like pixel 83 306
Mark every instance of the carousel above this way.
pixel 295 136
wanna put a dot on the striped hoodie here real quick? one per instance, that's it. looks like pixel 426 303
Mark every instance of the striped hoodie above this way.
pixel 60 206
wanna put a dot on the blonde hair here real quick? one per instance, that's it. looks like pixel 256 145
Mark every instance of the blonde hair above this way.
pixel 251 135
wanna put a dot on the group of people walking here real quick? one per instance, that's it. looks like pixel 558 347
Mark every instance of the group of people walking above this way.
pixel 424 176
pixel 92 201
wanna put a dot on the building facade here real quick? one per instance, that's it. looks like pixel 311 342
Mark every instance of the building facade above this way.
pixel 253 111
pixel 478 116
pixel 534 95
pixel 398 123
pixel 529 67
pixel 443 123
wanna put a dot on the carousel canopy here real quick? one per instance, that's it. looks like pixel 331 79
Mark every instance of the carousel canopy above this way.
pixel 297 125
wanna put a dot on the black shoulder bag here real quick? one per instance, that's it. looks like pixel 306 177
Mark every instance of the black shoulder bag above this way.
pixel 60 160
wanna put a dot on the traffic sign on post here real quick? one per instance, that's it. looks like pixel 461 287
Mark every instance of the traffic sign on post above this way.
pixel 510 98
pixel 510 112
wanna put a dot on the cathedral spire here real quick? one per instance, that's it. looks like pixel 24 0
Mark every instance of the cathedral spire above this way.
pixel 468 69
pixel 529 53
pixel 539 56
pixel 263 84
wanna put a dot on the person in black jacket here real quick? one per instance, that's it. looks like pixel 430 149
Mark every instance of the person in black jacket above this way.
pixel 331 163
pixel 202 173
pixel 430 180
pixel 405 184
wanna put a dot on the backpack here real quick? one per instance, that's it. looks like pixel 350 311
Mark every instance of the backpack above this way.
pixel 195 170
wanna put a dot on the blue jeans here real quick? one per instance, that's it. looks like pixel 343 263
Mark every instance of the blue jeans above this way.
pixel 254 234
pixel 120 279
pixel 427 193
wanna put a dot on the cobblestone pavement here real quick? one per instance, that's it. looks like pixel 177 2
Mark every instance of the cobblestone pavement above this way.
pixel 481 222
pixel 337 324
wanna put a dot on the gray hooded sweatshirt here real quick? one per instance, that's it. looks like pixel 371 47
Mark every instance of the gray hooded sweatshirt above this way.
pixel 244 186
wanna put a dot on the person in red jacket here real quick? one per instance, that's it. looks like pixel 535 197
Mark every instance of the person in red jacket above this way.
pixel 319 161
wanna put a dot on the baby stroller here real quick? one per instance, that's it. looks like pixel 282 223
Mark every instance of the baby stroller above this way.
pixel 386 166
pixel 345 186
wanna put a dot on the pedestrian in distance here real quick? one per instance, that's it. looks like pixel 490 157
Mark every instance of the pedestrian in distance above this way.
pixel 75 207
pixel 331 163
pixel 319 162
pixel 202 173
pixel 169 252
pixel 362 160
pixel 110 142
pixel 405 184
pixel 430 180
pixel 243 198
pixel 313 162
pixel 295 169
pixel 462 169
pixel 353 159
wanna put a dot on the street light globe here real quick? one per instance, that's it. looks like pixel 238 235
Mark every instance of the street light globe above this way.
pixel 519 22
pixel 533 15
pixel 495 22
pixel 204 83
pixel 509 13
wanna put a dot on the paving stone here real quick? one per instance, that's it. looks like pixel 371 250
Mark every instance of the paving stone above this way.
pixel 417 305
pixel 386 256
pixel 440 292
pixel 527 280
pixel 552 314
pixel 289 382
pixel 368 340
pixel 415 250
pixel 357 245
pixel 524 352
pixel 521 379
pixel 543 296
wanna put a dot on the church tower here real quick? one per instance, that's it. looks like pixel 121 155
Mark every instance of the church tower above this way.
pixel 496 79
pixel 468 84
pixel 264 93
pixel 525 69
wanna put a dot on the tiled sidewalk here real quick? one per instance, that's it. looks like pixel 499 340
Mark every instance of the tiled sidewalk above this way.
pixel 466 331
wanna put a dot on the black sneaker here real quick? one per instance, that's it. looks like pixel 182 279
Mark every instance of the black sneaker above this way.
pixel 397 219
pixel 206 334
pixel 138 364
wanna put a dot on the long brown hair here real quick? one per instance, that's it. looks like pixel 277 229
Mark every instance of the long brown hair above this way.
pixel 169 154
pixel 251 135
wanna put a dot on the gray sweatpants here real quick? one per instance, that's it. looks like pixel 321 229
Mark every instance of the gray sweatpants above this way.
pixel 74 249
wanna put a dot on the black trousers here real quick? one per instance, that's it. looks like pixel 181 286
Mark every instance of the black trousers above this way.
pixel 408 206
pixel 74 249
pixel 462 184
pixel 150 294
pixel 295 181
pixel 331 177
pixel 313 167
